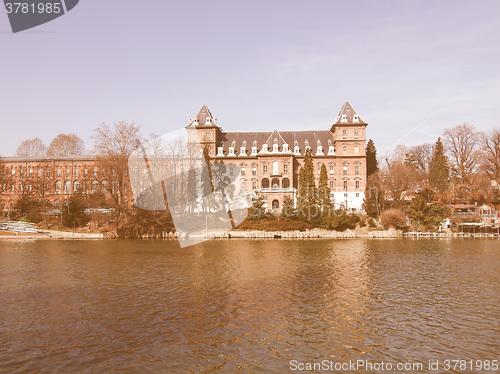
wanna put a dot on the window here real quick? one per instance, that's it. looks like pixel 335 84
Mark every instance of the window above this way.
pixel 20 187
pixel 254 170
pixel 275 204
pixel 95 171
pixel 40 172
pixel 345 185
pixel 243 187
pixel 21 171
pixel 242 170
pixel 297 169
pixel 231 171
pixel 13 172
pixel 31 172
pixel 285 168
pixel 356 168
pixel 48 172
pixel 344 148
pixel 264 168
pixel 85 171
pixel 58 172
pixel 58 187
pixel 95 185
pixel 76 186
pixel 254 185
pixel 67 171
pixel 344 169
pixel 275 185
pixel 77 172
pixel 265 184
pixel 332 185
pixel 357 194
pixel 357 184
pixel 356 149
pixel 319 169
pixel 331 169
pixel 67 187
pixel 12 188
pixel 285 183
pixel 275 168
pixel 356 132
pixel 344 132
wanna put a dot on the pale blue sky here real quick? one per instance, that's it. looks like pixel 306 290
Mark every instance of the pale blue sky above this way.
pixel 411 68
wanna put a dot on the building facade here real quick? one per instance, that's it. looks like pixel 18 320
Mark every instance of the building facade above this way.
pixel 268 162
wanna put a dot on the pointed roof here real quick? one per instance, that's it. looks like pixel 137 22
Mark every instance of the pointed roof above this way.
pixel 275 137
pixel 348 115
pixel 201 118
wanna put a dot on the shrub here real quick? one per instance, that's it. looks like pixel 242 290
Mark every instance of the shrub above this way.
pixel 394 218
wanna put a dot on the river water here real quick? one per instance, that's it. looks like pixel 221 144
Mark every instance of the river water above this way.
pixel 245 306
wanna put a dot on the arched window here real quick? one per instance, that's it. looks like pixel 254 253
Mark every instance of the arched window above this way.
pixel 95 186
pixel 285 183
pixel 104 188
pixel 58 187
pixel 76 186
pixel 275 184
pixel 57 203
pixel 275 204
pixel 265 184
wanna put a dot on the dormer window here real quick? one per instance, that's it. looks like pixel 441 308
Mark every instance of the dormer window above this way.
pixel 296 150
pixel 207 121
pixel 255 143
pixel 307 143
pixel 233 144
pixel 244 144
pixel 319 151
pixel 231 151
pixel 356 118
pixel 344 118
pixel 285 147
pixel 264 148
pixel 275 147
pixel 243 151
pixel 295 143
pixel 254 151
pixel 331 150
pixel 220 152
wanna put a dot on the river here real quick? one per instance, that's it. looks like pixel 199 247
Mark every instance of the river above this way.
pixel 248 306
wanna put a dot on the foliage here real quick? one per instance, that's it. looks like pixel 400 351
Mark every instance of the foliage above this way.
pixel 372 203
pixel 371 158
pixel 288 212
pixel 28 208
pixel 394 218
pixel 324 191
pixel 462 144
pixel 272 224
pixel 438 168
pixel 31 148
pixel 257 211
pixel 307 206
pixel 339 220
pixel 73 214
pixel 146 223
pixel 66 145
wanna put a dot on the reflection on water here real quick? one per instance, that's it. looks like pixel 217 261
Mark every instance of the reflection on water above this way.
pixel 224 306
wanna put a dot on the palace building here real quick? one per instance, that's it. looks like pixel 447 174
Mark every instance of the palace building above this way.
pixel 268 162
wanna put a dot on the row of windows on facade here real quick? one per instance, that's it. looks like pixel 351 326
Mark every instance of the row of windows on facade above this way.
pixel 39 172
pixel 265 169
pixel 265 149
pixel 274 185
pixel 94 187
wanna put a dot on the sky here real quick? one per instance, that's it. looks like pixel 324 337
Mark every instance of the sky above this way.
pixel 410 68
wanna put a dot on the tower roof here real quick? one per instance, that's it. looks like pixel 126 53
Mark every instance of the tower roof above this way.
pixel 203 118
pixel 348 115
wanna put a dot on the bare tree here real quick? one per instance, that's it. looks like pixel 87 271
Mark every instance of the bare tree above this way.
pixel 113 146
pixel 419 157
pixel 66 145
pixel 31 148
pixel 491 154
pixel 462 144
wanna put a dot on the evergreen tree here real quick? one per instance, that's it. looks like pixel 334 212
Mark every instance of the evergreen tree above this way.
pixel 73 214
pixel 288 211
pixel 307 206
pixel 257 210
pixel 372 203
pixel 371 158
pixel 438 168
pixel 324 191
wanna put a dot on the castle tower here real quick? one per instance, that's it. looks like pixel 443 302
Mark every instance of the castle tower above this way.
pixel 203 129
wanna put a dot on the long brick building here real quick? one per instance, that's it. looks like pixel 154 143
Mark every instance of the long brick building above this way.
pixel 268 162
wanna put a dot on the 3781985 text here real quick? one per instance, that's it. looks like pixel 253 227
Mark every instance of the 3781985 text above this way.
pixel 33 8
